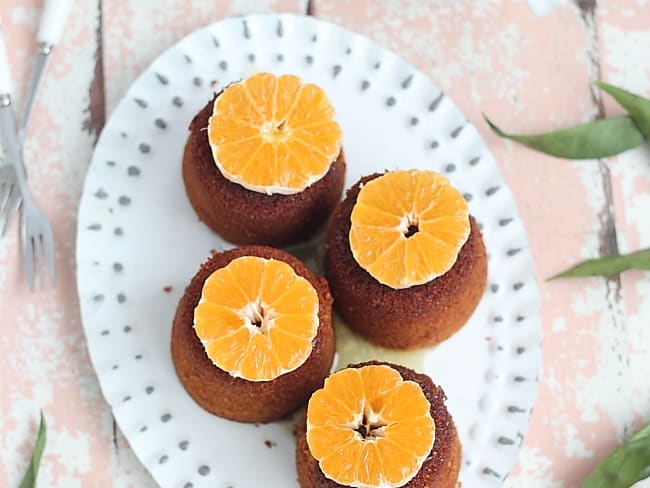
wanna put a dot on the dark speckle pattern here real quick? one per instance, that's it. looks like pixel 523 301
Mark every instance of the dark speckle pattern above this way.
pixel 162 79
pixel 434 104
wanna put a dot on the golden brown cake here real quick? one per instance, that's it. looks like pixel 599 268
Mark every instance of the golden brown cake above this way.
pixel 252 337
pixel 273 177
pixel 410 316
pixel 410 457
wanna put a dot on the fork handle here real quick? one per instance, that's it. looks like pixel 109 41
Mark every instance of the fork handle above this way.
pixel 5 68
pixel 40 63
pixel 55 13
pixel 53 20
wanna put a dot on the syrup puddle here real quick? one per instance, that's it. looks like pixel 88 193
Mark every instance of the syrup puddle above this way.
pixel 352 348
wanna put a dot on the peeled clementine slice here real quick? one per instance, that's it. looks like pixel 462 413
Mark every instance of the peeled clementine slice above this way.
pixel 367 427
pixel 257 318
pixel 407 227
pixel 273 134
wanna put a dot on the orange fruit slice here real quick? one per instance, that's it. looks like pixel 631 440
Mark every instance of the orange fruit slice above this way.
pixel 367 427
pixel 274 134
pixel 407 227
pixel 257 318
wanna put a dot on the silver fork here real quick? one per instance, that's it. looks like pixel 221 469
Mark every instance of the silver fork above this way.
pixel 35 229
pixel 50 29
pixel 36 234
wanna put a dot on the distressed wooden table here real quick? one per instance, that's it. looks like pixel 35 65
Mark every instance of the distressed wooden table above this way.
pixel 530 73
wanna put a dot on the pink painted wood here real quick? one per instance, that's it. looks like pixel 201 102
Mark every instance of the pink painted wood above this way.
pixel 528 73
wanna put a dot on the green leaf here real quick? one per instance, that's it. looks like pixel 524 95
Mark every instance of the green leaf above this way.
pixel 625 465
pixel 593 140
pixel 29 480
pixel 609 265
pixel 637 106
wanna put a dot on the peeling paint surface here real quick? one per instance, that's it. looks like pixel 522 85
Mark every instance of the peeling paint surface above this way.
pixel 529 73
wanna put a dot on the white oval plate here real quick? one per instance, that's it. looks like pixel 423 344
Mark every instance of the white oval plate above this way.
pixel 139 243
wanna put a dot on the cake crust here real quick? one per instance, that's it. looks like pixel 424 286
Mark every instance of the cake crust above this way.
pixel 236 398
pixel 419 316
pixel 243 216
pixel 440 469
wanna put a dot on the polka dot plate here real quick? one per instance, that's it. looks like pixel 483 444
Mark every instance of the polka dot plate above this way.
pixel 139 242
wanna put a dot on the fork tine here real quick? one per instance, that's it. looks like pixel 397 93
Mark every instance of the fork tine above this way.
pixel 12 210
pixel 50 253
pixel 5 190
pixel 28 252
pixel 38 259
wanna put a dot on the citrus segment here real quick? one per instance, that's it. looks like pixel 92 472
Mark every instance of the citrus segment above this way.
pixel 257 318
pixel 215 321
pixel 368 427
pixel 273 134
pixel 407 227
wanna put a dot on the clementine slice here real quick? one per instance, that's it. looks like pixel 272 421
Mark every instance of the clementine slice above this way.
pixel 407 227
pixel 257 318
pixel 273 134
pixel 367 427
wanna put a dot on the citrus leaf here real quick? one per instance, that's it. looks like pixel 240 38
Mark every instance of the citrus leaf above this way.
pixel 593 140
pixel 637 106
pixel 625 465
pixel 29 480
pixel 609 265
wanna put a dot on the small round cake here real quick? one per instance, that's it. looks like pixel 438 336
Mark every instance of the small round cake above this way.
pixel 378 424
pixel 263 163
pixel 252 337
pixel 404 259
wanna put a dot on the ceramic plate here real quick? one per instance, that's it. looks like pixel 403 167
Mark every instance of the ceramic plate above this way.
pixel 139 243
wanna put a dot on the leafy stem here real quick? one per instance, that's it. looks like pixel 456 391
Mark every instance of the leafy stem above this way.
pixel 29 480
